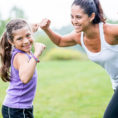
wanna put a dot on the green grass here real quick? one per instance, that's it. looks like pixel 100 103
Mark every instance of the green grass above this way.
pixel 69 89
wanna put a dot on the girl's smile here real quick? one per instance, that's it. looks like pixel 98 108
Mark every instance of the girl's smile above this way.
pixel 23 39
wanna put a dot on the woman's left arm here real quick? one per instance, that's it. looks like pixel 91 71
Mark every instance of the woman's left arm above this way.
pixel 111 33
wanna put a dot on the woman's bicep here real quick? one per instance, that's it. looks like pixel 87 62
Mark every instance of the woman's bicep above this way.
pixel 111 30
pixel 68 40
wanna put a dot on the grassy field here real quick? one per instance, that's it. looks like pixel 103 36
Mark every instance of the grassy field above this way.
pixel 69 89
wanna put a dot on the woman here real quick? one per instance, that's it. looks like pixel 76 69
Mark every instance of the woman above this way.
pixel 99 39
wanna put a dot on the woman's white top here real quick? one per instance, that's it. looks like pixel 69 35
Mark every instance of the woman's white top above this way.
pixel 107 57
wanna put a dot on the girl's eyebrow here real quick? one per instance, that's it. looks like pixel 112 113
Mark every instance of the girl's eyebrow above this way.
pixel 19 37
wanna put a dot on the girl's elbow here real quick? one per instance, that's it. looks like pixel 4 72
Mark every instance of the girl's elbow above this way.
pixel 24 80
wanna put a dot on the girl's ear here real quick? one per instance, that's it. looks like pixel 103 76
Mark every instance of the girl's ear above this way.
pixel 11 42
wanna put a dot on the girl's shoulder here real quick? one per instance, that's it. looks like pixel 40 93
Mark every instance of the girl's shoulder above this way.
pixel 19 53
pixel 20 56
pixel 20 59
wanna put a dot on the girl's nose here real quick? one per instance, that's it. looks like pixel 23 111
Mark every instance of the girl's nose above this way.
pixel 26 40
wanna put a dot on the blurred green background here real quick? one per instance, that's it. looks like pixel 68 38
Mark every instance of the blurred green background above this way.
pixel 69 85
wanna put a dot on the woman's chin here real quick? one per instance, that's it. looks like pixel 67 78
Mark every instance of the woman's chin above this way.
pixel 77 30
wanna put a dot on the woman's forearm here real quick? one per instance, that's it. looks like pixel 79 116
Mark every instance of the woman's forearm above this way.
pixel 54 37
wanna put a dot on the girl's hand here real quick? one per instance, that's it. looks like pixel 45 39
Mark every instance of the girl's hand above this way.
pixel 39 48
pixel 44 24
pixel 34 27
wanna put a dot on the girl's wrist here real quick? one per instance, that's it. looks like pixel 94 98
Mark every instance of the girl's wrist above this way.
pixel 35 58
pixel 36 55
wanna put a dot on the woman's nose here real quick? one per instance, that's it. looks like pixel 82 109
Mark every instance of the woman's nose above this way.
pixel 74 21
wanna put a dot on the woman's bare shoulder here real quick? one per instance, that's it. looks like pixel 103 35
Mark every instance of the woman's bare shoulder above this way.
pixel 76 37
pixel 111 29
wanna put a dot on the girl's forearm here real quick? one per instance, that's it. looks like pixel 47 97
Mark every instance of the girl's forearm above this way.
pixel 27 70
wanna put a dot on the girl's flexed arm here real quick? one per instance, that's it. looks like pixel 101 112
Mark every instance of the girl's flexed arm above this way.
pixel 25 66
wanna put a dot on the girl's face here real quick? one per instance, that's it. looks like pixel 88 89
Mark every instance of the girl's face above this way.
pixel 79 19
pixel 23 39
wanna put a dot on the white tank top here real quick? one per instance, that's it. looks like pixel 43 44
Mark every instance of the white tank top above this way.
pixel 107 57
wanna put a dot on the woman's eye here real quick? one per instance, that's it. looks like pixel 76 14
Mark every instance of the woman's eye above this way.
pixel 78 17
pixel 71 16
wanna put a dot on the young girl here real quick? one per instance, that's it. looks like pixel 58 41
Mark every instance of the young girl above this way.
pixel 19 68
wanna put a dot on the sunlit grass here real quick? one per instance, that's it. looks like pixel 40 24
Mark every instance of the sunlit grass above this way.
pixel 69 89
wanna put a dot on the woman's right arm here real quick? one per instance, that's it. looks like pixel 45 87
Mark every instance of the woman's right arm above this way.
pixel 62 41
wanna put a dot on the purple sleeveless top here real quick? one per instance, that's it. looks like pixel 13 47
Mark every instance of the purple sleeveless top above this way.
pixel 20 95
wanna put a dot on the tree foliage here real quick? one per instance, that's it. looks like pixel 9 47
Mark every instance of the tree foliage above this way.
pixel 15 12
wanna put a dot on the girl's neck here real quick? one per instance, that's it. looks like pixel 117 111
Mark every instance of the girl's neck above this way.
pixel 29 53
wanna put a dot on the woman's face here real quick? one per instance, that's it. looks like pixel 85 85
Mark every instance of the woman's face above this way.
pixel 79 19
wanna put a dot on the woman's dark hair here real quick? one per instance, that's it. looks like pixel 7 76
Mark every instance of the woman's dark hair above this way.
pixel 6 47
pixel 91 6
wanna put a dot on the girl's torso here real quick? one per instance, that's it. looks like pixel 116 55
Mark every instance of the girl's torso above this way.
pixel 20 95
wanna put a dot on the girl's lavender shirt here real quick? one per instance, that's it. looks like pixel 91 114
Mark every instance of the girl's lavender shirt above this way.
pixel 20 95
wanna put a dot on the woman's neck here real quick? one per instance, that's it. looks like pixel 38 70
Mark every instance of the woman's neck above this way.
pixel 91 31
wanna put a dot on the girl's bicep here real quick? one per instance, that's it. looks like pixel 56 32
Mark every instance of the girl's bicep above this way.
pixel 20 60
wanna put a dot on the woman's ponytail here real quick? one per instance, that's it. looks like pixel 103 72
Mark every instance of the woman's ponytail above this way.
pixel 99 12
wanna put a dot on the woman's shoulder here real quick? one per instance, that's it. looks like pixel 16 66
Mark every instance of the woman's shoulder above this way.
pixel 111 29
pixel 76 36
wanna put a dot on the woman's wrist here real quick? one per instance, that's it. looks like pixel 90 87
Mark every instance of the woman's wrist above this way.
pixel 47 30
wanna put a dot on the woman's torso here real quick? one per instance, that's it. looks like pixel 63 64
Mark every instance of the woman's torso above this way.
pixel 106 56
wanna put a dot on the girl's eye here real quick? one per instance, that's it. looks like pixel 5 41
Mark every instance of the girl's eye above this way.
pixel 28 35
pixel 20 38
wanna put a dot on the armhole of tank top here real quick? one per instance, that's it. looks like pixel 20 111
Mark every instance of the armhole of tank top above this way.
pixel 12 61
pixel 102 38
pixel 82 41
pixel 15 55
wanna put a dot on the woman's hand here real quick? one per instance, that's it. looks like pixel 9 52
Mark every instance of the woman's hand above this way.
pixel 44 24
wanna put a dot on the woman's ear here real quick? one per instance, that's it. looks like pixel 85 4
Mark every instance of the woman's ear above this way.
pixel 92 17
